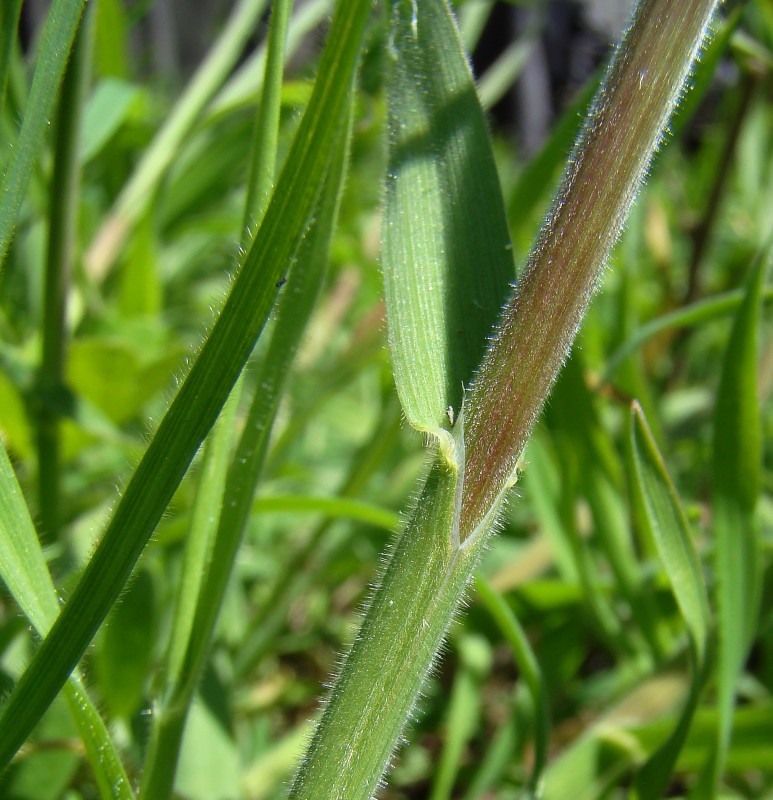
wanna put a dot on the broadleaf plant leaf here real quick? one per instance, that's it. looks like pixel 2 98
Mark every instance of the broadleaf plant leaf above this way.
pixel 446 257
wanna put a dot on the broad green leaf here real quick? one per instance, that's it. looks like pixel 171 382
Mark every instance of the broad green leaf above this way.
pixel 126 651
pixel 209 759
pixel 53 50
pixel 669 529
pixel 206 388
pixel 24 572
pixel 446 249
pixel 736 484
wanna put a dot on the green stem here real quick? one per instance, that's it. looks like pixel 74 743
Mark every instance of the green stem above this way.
pixel 540 320
pixel 403 628
pixel 63 219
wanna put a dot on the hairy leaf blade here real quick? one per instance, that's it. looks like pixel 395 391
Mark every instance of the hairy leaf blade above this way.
pixel 446 253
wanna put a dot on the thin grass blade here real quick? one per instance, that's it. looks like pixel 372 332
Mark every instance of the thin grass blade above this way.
pixel 737 482
pixel 53 50
pixel 141 187
pixel 205 389
pixel 24 572
pixel 669 529
pixel 9 25
pixel 528 666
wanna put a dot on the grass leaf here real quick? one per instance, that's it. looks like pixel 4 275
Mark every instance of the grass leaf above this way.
pixel 446 254
pixel 205 389
pixel 53 51
pixel 670 531
pixel 737 461
pixel 24 572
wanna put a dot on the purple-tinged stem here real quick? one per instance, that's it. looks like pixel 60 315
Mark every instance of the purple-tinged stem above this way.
pixel 541 318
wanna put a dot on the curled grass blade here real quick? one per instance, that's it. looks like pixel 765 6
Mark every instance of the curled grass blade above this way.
pixel 205 389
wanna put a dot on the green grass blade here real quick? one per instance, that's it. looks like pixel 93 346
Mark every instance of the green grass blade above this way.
pixel 9 25
pixel 463 712
pixel 669 529
pixel 23 571
pixel 305 280
pixel 266 126
pixel 737 462
pixel 243 88
pixel 63 206
pixel 446 256
pixel 205 389
pixel 502 74
pixel 529 670
pixel 694 314
pixel 53 51
pixel 331 507
pixel 168 724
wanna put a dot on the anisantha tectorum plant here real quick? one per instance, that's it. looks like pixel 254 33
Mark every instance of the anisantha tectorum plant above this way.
pixel 475 465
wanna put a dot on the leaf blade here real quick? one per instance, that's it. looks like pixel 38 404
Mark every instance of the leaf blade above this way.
pixel 446 253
